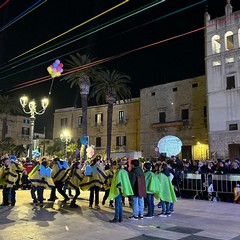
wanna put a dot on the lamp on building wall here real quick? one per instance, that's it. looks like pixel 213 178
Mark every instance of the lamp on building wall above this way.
pixel 65 137
pixel 32 111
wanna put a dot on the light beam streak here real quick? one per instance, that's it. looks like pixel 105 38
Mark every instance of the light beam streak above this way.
pixel 70 30
pixel 81 36
pixel 24 13
pixel 43 79
pixel 4 3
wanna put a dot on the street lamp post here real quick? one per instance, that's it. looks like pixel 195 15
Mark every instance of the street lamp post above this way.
pixel 65 137
pixel 32 111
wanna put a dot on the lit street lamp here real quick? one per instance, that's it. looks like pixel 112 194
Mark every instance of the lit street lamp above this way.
pixel 32 111
pixel 66 138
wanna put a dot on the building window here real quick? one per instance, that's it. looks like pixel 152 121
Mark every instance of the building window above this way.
pixel 25 131
pixel 121 116
pixel 194 85
pixel 230 82
pixel 63 122
pixel 216 45
pixel 162 117
pixel 153 93
pixel 185 114
pixel 98 142
pixel 233 127
pixel 205 112
pixel 174 89
pixel 98 119
pixel 26 121
pixel 229 44
pixel 121 141
pixel 80 120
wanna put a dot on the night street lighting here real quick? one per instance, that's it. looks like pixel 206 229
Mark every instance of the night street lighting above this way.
pixel 66 137
pixel 32 111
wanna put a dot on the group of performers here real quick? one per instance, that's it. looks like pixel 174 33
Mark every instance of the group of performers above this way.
pixel 137 181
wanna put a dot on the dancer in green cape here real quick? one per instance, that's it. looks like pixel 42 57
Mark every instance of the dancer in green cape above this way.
pixel 120 186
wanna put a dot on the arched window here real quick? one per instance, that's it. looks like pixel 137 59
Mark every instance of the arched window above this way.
pixel 216 45
pixel 238 37
pixel 228 39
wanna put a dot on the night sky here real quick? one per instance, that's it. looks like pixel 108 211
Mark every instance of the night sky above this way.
pixel 29 44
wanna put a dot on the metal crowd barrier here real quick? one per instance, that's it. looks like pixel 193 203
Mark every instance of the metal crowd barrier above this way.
pixel 210 184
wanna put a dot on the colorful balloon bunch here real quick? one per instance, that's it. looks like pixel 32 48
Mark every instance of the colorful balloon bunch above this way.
pixel 55 69
pixel 90 151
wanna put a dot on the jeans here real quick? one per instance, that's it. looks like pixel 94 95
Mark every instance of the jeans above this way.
pixel 39 197
pixel 138 206
pixel 118 208
pixel 171 206
pixel 150 204
pixel 165 207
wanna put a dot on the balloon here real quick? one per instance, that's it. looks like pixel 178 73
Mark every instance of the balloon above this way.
pixel 55 65
pixel 84 140
pixel 49 69
pixel 55 69
pixel 90 151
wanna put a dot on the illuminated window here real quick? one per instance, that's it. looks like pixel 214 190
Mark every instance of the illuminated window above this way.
pixel 216 45
pixel 98 119
pixel 229 44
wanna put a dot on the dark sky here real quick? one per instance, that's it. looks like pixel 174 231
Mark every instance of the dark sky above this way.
pixel 32 37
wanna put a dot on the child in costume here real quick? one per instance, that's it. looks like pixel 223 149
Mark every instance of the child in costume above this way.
pixel 4 172
pixel 59 174
pixel 166 191
pixel 94 182
pixel 109 173
pixel 75 178
pixel 120 186
pixel 151 188
pixel 40 178
pixel 15 169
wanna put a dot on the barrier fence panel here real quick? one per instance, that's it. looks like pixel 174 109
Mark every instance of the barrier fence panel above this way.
pixel 211 184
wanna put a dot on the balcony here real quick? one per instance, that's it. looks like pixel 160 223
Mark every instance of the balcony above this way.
pixel 178 123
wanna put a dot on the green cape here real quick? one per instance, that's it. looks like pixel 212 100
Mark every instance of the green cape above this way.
pixel 152 184
pixel 166 191
pixel 120 177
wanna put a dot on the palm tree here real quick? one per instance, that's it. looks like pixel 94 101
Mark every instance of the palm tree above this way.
pixel 111 87
pixel 81 78
pixel 8 106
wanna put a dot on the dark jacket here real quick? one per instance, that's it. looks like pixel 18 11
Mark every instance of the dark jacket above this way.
pixel 137 180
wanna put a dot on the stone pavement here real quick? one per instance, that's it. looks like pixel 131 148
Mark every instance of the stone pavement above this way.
pixel 192 220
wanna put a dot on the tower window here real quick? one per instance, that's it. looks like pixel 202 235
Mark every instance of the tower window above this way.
pixel 230 82
pixel 233 127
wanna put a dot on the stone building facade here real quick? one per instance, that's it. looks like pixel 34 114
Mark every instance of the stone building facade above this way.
pixel 175 109
pixel 125 127
pixel 222 44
